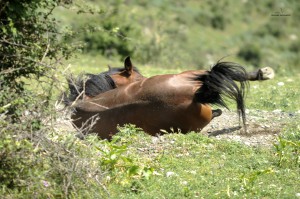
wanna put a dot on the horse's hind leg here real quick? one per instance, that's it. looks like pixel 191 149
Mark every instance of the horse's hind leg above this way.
pixel 261 74
pixel 216 113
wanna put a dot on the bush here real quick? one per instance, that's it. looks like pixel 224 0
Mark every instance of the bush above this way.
pixel 104 32
pixel 30 54
pixel 29 49
pixel 218 22
pixel 250 53
pixel 272 27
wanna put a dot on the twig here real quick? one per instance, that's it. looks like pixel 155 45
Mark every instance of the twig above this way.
pixel 11 43
pixel 4 7
pixel 99 105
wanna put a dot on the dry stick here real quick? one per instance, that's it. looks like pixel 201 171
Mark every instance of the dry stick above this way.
pixel 80 94
pixel 102 185
pixel 70 176
pixel 11 70
pixel 12 43
pixel 99 105
pixel 3 7
pixel 77 98
pixel 87 125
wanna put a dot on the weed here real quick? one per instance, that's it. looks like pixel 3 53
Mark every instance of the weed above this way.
pixel 249 179
pixel 287 148
pixel 115 158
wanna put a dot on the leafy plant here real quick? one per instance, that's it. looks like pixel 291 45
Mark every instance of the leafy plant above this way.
pixel 250 53
pixel 29 49
pixel 248 180
pixel 115 158
pixel 288 149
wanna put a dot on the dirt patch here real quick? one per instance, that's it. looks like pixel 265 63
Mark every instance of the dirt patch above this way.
pixel 262 126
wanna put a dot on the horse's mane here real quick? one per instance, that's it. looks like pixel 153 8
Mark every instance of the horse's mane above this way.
pixel 87 84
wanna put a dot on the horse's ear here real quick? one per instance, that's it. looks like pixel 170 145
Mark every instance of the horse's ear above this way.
pixel 128 65
pixel 109 67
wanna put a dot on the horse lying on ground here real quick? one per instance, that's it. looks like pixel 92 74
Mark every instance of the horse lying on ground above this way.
pixel 177 101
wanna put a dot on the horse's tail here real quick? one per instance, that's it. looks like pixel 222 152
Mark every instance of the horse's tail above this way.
pixel 220 82
pixel 87 85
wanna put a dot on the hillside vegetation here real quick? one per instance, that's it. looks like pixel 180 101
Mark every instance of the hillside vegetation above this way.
pixel 172 34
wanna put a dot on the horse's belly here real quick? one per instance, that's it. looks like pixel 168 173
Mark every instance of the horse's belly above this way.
pixel 152 118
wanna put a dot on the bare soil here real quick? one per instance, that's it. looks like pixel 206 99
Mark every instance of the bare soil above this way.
pixel 262 126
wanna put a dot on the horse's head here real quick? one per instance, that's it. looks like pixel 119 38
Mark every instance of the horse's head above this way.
pixel 126 75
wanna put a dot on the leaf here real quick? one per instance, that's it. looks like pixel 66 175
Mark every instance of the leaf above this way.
pixel 133 170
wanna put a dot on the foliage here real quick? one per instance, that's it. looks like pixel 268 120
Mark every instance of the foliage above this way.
pixel 29 52
pixel 288 148
pixel 251 54
pixel 197 34
pixel 29 48
pixel 122 166
pixel 195 166
pixel 100 31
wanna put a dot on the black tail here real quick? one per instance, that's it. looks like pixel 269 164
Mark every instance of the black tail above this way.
pixel 89 85
pixel 219 82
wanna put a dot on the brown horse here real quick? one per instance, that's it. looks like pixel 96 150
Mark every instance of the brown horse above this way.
pixel 178 101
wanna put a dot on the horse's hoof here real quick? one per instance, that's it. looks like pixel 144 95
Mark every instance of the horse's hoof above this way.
pixel 216 113
pixel 266 73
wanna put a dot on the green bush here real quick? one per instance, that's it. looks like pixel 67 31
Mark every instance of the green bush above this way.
pixel 29 54
pixel 272 27
pixel 218 22
pixel 29 49
pixel 250 53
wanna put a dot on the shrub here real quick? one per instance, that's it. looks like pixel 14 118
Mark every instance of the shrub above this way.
pixel 29 54
pixel 250 53
pixel 29 49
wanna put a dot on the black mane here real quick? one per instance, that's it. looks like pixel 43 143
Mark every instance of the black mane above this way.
pixel 87 84
pixel 96 84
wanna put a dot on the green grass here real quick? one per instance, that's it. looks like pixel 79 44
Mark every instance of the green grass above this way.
pixel 281 93
pixel 189 166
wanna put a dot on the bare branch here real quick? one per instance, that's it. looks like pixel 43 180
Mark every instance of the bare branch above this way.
pixel 12 43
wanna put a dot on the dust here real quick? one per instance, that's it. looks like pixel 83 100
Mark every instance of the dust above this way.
pixel 263 127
